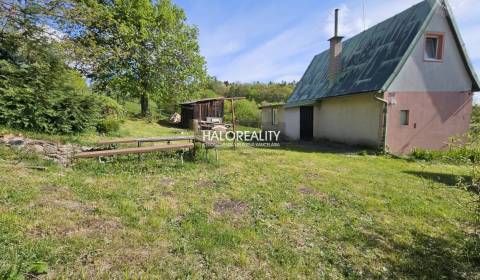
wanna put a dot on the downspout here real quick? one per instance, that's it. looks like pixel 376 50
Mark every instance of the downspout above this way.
pixel 384 118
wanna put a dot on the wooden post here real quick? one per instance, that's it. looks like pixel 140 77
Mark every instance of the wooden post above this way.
pixel 139 144
pixel 233 123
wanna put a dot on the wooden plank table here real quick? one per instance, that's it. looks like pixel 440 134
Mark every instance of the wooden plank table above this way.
pixel 142 150
pixel 156 148
pixel 147 140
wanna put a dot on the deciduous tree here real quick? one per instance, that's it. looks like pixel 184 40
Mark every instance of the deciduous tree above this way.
pixel 138 48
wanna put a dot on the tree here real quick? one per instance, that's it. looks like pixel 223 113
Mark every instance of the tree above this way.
pixel 138 48
pixel 38 90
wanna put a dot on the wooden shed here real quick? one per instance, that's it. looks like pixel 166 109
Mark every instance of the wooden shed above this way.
pixel 202 110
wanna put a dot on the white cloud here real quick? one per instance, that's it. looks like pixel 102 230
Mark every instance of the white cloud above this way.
pixel 256 47
pixel 277 58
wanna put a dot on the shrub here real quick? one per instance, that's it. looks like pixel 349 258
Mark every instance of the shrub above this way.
pixel 39 92
pixel 108 125
pixel 112 114
pixel 246 111
pixel 465 154
pixel 109 107
pixel 420 154
pixel 53 112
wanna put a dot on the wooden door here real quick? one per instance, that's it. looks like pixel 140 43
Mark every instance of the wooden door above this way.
pixel 306 123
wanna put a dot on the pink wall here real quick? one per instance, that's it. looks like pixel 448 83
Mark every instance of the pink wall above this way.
pixel 435 117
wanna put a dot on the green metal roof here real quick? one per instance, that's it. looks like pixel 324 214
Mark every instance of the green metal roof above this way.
pixel 371 59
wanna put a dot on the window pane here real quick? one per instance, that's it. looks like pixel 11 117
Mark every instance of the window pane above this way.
pixel 404 117
pixel 432 45
pixel 274 116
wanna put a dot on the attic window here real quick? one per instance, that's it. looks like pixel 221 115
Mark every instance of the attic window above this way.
pixel 434 47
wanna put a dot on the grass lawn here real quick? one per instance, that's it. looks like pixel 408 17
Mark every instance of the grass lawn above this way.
pixel 257 213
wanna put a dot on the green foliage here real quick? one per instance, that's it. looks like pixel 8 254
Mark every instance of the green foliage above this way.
pixel 109 107
pixel 108 125
pixel 113 114
pixel 206 93
pixel 464 154
pixel 139 49
pixel 37 268
pixel 39 92
pixel 258 92
pixel 422 154
pixel 220 88
pixel 475 121
pixel 246 111
pixel 271 92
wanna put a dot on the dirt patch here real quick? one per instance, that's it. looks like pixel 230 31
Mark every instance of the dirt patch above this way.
pixel 313 175
pixel 205 183
pixel 90 226
pixel 307 191
pixel 68 204
pixel 167 182
pixel 167 193
pixel 229 206
pixel 96 225
pixel 289 206
pixel 56 190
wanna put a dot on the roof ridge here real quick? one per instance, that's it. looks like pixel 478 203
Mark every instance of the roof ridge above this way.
pixel 383 22
pixel 369 58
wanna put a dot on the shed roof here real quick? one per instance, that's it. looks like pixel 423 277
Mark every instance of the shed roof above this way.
pixel 271 105
pixel 202 100
pixel 212 99
pixel 373 58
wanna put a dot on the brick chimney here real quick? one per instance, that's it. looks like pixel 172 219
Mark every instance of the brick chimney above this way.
pixel 335 65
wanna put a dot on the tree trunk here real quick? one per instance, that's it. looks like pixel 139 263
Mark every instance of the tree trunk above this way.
pixel 144 105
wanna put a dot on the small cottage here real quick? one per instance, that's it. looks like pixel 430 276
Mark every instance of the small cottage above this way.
pixel 272 117
pixel 207 110
pixel 404 83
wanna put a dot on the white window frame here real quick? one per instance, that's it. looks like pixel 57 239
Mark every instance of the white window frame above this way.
pixel 440 47
pixel 274 116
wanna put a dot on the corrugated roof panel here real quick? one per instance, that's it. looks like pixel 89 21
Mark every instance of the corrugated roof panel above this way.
pixel 368 59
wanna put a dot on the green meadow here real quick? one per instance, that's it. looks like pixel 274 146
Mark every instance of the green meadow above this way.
pixel 289 212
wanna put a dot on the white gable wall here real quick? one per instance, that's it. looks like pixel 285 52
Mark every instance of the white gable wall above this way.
pixel 450 75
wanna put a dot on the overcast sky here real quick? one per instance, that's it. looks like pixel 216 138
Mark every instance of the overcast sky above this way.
pixel 275 40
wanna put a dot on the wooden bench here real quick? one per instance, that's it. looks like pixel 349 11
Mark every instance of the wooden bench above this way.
pixel 169 146
pixel 183 147
pixel 139 141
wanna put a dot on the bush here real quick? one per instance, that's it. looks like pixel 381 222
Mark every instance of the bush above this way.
pixel 246 111
pixel 53 112
pixel 112 114
pixel 420 154
pixel 39 92
pixel 109 107
pixel 108 125
pixel 466 154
